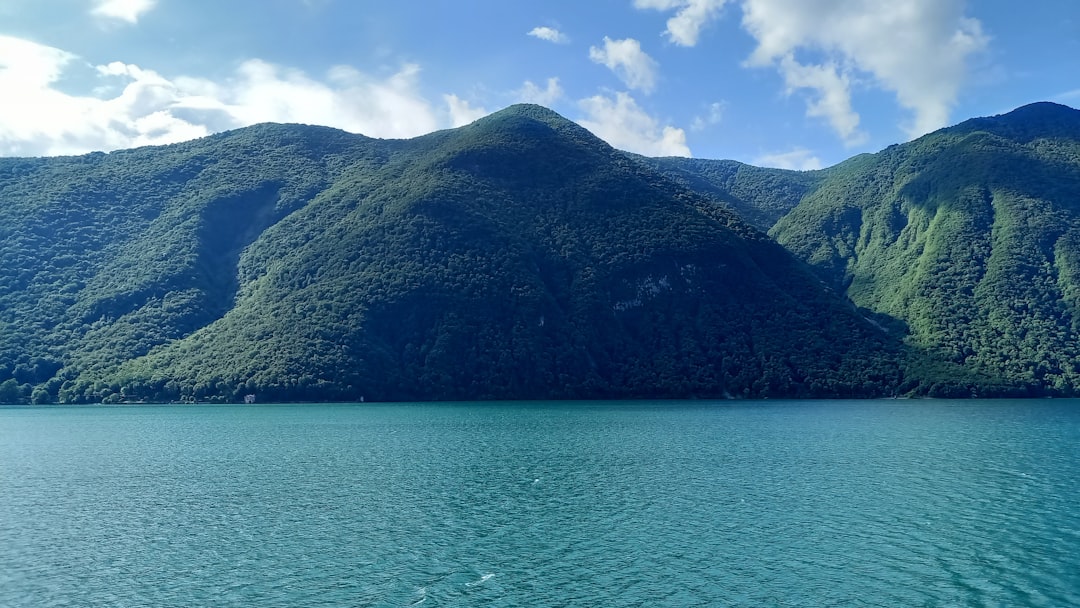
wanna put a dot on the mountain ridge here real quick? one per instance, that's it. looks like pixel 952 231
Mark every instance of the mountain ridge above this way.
pixel 573 196
pixel 516 257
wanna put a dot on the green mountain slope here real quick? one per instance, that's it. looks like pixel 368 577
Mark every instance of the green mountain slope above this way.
pixel 107 256
pixel 970 236
pixel 760 196
pixel 517 257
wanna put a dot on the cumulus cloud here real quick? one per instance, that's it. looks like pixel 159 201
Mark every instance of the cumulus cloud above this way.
pixel 833 96
pixel 36 118
pixel 799 159
pixel 692 15
pixel 550 34
pixel 531 93
pixel 631 64
pixel 28 64
pixel 124 10
pixel 132 106
pixel 917 49
pixel 625 125
pixel 461 111
pixel 347 98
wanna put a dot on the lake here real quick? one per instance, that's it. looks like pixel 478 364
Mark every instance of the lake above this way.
pixel 815 503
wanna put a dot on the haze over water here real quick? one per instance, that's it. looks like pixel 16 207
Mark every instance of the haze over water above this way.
pixel 871 503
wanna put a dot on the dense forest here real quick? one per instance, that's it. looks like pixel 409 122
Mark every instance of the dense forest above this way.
pixel 969 237
pixel 520 257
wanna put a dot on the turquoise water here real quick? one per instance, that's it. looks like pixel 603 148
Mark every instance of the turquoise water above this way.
pixel 889 503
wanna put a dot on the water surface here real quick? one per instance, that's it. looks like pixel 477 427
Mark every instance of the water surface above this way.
pixel 872 503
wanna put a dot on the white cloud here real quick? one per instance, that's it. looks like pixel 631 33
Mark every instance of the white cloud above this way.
pixel 799 159
pixel 124 10
pixel 550 34
pixel 632 65
pixel 833 102
pixel 347 99
pixel 28 64
pixel 531 93
pixel 693 15
pixel 36 118
pixel 624 125
pixel 918 49
pixel 713 115
pixel 461 112
pixel 132 106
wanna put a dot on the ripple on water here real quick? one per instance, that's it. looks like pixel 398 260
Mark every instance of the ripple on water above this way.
pixel 855 504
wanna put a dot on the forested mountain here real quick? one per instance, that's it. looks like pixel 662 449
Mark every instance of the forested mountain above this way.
pixel 521 257
pixel 517 257
pixel 107 256
pixel 760 196
pixel 970 236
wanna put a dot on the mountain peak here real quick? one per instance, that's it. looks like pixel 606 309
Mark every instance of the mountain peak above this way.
pixel 1043 119
pixel 522 132
pixel 1043 108
pixel 530 110
pixel 520 116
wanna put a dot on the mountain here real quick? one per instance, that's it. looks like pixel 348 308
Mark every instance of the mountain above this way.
pixel 967 239
pixel 760 196
pixel 107 256
pixel 517 257
pixel 521 257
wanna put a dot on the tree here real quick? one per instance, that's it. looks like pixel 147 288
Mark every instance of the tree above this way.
pixel 40 396
pixel 9 391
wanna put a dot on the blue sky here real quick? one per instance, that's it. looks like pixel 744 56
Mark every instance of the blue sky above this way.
pixel 791 83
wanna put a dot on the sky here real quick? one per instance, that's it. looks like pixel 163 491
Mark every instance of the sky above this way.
pixel 799 84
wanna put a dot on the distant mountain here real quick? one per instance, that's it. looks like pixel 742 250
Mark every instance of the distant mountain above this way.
pixel 759 195
pixel 969 237
pixel 518 257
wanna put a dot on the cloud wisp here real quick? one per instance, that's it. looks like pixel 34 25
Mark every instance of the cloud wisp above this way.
pixel 123 10
pixel 713 116
pixel 533 93
pixel 691 16
pixel 549 34
pixel 625 58
pixel 832 96
pixel 461 111
pixel 798 159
